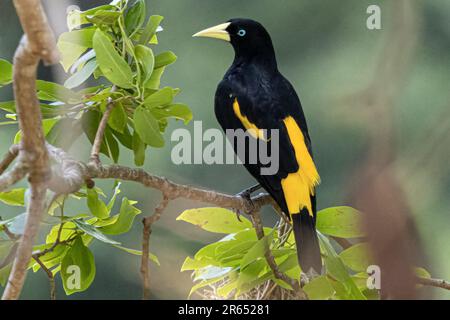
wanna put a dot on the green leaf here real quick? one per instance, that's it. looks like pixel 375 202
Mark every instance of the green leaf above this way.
pixel 112 201
pixel 203 284
pixel 112 65
pixel 6 247
pixel 164 59
pixel 238 249
pixel 178 111
pixel 193 264
pixel 73 44
pixel 336 269
pixel 118 118
pixel 90 122
pixel 135 17
pixel 81 76
pixel 151 256
pixel 77 18
pixel 212 272
pixel 51 258
pixel 94 231
pixel 102 17
pixel 15 197
pixel 150 29
pixel 97 207
pixel 77 268
pixel 159 98
pixel 422 273
pixel 55 92
pixel 147 127
pixel 4 274
pixel 217 220
pixel 16 224
pixel 125 220
pixel 249 277
pixel 47 126
pixel 319 288
pixel 357 257
pixel 8 106
pixel 342 222
pixel 67 232
pixel 57 135
pixel 6 70
pixel 112 146
pixel 155 80
pixel 257 251
pixel 225 290
pixel 125 138
pixel 146 60
pixel 138 149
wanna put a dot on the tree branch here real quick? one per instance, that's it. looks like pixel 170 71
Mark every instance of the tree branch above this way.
pixel 50 276
pixel 174 190
pixel 148 222
pixel 12 176
pixel 37 43
pixel 96 146
pixel 67 175
pixel 9 157
pixel 438 283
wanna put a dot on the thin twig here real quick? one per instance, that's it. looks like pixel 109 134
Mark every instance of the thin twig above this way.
pixel 50 276
pixel 12 176
pixel 9 157
pixel 96 146
pixel 54 245
pixel 148 222
pixel 438 283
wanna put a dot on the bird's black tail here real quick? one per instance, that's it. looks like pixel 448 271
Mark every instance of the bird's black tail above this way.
pixel 308 250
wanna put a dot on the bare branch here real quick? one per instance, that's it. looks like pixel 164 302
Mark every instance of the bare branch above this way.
pixel 438 283
pixel 148 222
pixel 37 43
pixel 12 176
pixel 96 146
pixel 41 40
pixel 50 276
pixel 9 158
pixel 174 190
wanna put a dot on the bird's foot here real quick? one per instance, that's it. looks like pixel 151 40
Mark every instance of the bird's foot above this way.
pixel 308 276
pixel 246 193
pixel 247 196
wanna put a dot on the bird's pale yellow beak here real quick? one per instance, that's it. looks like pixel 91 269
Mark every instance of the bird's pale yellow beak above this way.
pixel 217 32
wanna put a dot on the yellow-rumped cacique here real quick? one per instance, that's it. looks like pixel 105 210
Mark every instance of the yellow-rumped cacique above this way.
pixel 254 96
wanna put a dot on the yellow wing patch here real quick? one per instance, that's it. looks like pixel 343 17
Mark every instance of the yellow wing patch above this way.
pixel 299 186
pixel 254 131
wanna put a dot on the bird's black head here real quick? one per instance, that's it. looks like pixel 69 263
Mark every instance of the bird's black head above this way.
pixel 249 38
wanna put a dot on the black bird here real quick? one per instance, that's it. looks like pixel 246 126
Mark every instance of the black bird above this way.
pixel 254 96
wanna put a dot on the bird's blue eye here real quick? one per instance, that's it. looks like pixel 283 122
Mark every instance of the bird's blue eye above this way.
pixel 241 32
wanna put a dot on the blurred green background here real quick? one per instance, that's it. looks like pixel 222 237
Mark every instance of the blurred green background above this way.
pixel 324 48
